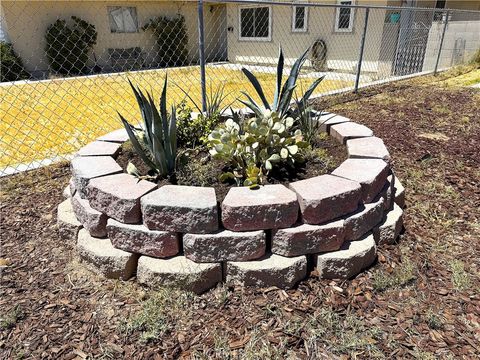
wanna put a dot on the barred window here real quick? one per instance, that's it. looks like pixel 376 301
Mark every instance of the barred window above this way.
pixel 344 17
pixel 255 23
pixel 123 19
pixel 299 19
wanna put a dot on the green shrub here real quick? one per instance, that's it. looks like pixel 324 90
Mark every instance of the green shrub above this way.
pixel 11 64
pixel 192 132
pixel 156 143
pixel 172 39
pixel 68 46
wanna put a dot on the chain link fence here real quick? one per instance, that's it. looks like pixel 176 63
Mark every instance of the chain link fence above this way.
pixel 65 65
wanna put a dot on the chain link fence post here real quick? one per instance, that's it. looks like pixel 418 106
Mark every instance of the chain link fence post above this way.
pixel 447 15
pixel 362 48
pixel 201 50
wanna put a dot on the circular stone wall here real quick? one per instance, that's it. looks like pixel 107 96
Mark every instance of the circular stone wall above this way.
pixel 179 236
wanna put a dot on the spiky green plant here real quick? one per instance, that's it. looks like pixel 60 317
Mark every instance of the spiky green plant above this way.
pixel 156 141
pixel 283 93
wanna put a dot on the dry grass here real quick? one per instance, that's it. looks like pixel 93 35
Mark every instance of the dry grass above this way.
pixel 43 119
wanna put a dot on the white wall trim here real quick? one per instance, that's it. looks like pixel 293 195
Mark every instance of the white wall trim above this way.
pixel 305 23
pixel 337 18
pixel 269 37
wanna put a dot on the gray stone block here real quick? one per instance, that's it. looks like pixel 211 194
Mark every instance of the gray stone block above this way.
pixel 224 245
pixel 186 209
pixel 117 136
pixel 99 148
pixel 308 239
pixel 68 225
pixel 268 207
pixel 86 168
pixel 139 239
pixel 350 260
pixel 272 270
pixel 389 230
pixel 368 147
pixel 118 196
pixel 94 221
pixel 326 120
pixel 349 130
pixel 326 197
pixel 370 173
pixel 112 263
pixel 363 220
pixel 399 193
pixel 178 272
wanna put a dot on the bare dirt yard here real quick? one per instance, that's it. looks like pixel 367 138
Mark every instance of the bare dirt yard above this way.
pixel 420 300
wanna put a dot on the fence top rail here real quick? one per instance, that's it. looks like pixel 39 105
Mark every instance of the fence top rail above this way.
pixel 353 6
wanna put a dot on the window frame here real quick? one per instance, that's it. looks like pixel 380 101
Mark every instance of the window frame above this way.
pixel 110 8
pixel 242 38
pixel 351 18
pixel 305 20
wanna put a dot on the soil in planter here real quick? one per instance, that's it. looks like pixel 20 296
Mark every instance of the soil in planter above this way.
pixel 197 168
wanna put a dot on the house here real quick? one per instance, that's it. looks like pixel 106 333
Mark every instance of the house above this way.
pixel 119 27
pixel 396 40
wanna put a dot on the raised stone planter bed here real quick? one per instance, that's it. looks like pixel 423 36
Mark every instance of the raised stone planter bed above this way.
pixel 180 236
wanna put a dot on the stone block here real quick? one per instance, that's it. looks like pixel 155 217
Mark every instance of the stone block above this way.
pixel 86 168
pixel 370 173
pixel 224 245
pixel 272 270
pixel 391 226
pixel 326 120
pixel 117 136
pixel 387 193
pixel 350 260
pixel 139 239
pixel 68 225
pixel 66 192
pixel 368 147
pixel 326 197
pixel 399 193
pixel 349 130
pixel 268 207
pixel 112 263
pixel 99 148
pixel 94 221
pixel 186 209
pixel 178 272
pixel 303 239
pixel 71 185
pixel 118 196
pixel 363 220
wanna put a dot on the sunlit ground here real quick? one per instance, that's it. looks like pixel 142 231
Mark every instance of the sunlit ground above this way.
pixel 41 120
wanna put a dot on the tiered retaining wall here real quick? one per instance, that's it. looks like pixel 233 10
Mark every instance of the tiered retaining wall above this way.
pixel 274 236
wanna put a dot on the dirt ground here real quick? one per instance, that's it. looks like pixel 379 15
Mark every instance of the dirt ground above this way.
pixel 420 300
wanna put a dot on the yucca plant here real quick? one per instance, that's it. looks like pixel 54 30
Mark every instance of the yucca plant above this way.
pixel 283 93
pixel 215 101
pixel 156 141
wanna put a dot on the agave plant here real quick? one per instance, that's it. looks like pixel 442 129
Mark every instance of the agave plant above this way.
pixel 283 93
pixel 156 141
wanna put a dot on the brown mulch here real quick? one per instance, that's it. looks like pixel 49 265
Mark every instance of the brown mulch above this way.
pixel 421 300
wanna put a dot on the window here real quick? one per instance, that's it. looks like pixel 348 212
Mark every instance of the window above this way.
pixel 439 5
pixel 344 18
pixel 299 18
pixel 123 19
pixel 255 23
